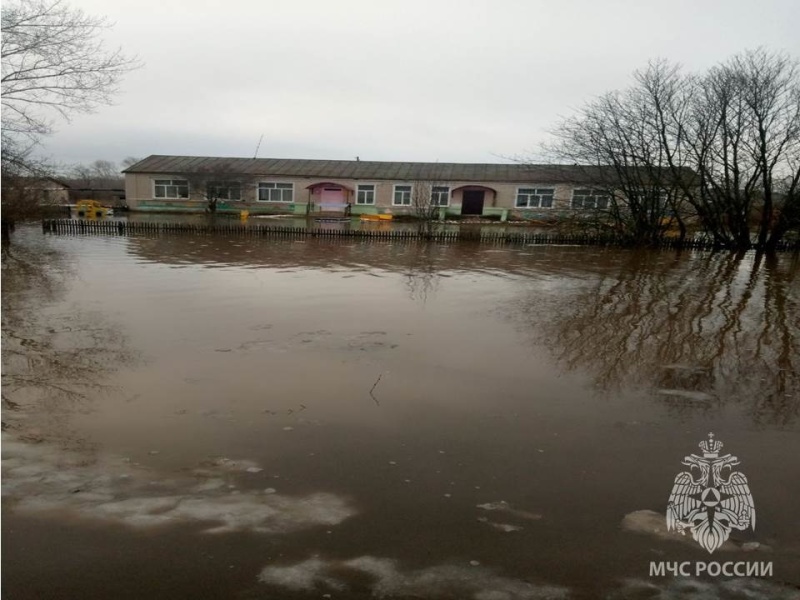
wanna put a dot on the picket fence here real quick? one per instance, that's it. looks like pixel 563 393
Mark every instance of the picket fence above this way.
pixel 484 235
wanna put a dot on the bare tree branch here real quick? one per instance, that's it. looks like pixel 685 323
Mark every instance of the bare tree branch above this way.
pixel 54 65
pixel 719 148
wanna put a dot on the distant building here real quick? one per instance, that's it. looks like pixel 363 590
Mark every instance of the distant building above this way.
pixel 108 196
pixel 31 197
pixel 46 191
pixel 264 185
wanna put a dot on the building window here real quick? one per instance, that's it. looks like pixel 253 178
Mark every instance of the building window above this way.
pixel 589 199
pixel 440 195
pixel 224 190
pixel 365 193
pixel 171 188
pixel 402 195
pixel 535 197
pixel 275 192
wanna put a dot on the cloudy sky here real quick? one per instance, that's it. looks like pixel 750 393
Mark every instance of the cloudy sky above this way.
pixel 471 81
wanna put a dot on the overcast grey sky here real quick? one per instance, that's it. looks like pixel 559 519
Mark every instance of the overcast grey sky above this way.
pixel 468 81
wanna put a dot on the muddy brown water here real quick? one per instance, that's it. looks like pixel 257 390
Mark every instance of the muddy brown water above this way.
pixel 202 417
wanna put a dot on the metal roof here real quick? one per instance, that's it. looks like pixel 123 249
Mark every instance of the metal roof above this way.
pixel 369 170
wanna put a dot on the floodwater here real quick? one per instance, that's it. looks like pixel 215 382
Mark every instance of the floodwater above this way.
pixel 325 223
pixel 202 417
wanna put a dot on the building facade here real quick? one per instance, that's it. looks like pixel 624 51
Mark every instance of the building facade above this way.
pixel 308 187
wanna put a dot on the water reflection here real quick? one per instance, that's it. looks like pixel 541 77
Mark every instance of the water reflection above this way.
pixel 336 254
pixel 51 360
pixel 700 330
pixel 422 266
pixel 422 275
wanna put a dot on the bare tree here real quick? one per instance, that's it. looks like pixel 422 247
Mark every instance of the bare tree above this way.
pixel 98 174
pixel 721 148
pixel 54 65
pixel 106 169
pixel 428 198
pixel 787 200
pixel 744 133
pixel 129 161
pixel 617 138
pixel 215 184
pixel 82 174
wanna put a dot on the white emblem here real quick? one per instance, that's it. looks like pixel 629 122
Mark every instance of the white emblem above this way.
pixel 708 503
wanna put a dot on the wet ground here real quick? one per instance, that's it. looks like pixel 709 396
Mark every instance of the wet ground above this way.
pixel 201 417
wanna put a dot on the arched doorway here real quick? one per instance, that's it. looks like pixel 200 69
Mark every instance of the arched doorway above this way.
pixel 473 198
pixel 330 196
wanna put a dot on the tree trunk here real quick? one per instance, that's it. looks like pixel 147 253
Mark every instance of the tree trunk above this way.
pixel 7 227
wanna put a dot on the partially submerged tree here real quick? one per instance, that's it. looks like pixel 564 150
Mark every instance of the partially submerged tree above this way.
pixel 427 200
pixel 718 148
pixel 618 139
pixel 217 184
pixel 787 199
pixel 743 138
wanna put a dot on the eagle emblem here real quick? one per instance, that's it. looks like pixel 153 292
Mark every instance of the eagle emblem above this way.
pixel 710 499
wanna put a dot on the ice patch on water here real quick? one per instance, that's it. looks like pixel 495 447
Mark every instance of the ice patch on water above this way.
pixel 304 576
pixel 652 523
pixel 209 485
pixel 503 506
pixel 655 524
pixel 692 589
pixel 389 580
pixel 43 478
pixel 223 464
pixel 504 527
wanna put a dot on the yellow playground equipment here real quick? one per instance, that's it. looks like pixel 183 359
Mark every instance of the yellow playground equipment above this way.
pixel 376 217
pixel 91 209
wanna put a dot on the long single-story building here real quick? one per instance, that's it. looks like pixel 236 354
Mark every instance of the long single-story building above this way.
pixel 303 187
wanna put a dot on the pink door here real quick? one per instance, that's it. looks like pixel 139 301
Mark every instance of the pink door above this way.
pixel 332 198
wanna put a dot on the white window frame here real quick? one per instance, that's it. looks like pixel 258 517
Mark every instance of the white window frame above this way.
pixel 176 183
pixel 443 189
pixel 265 185
pixel 369 192
pixel 595 195
pixel 227 186
pixel 537 192
pixel 409 191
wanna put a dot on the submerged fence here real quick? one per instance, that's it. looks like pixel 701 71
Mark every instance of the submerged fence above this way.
pixel 89 227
